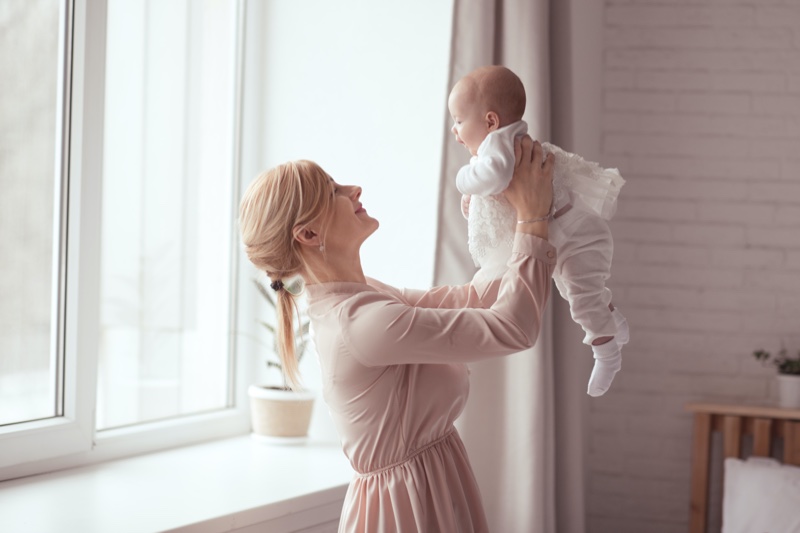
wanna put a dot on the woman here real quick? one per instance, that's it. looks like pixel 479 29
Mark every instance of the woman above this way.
pixel 393 360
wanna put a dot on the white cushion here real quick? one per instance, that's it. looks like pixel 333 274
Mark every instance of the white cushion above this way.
pixel 760 496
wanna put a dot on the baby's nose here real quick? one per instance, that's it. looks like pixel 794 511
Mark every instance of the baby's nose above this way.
pixel 453 130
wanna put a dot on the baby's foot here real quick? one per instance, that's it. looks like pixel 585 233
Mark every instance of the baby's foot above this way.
pixel 607 362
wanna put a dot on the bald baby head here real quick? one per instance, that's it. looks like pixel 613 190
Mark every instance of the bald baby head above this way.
pixel 484 101
pixel 494 88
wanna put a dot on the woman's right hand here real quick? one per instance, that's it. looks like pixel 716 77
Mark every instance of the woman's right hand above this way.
pixel 531 189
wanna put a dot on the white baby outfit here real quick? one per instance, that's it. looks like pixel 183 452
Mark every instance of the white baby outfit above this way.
pixel 584 197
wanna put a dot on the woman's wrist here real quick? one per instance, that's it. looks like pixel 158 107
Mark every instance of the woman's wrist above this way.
pixel 526 217
pixel 538 228
pixel 536 219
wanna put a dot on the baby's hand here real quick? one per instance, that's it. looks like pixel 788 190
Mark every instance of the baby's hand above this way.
pixel 465 198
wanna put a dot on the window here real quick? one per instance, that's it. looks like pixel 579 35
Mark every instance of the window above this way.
pixel 167 210
pixel 120 147
pixel 29 210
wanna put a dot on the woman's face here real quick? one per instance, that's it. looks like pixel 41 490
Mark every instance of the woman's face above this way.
pixel 349 225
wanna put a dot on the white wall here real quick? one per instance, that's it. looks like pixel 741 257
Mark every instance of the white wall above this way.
pixel 364 97
pixel 701 112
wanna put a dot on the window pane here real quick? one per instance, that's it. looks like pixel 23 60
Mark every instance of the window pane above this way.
pixel 29 51
pixel 166 209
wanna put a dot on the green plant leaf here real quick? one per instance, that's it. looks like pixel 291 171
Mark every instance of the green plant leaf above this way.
pixel 783 363
pixel 265 293
pixel 269 327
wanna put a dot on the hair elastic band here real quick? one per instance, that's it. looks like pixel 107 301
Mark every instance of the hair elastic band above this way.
pixel 276 285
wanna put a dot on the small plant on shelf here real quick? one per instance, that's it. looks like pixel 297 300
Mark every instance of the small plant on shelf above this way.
pixel 785 364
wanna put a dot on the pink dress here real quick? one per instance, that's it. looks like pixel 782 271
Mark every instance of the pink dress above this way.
pixel 394 380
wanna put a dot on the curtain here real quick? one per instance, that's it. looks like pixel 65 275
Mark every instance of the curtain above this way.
pixel 508 424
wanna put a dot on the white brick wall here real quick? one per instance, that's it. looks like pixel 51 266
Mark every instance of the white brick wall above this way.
pixel 702 116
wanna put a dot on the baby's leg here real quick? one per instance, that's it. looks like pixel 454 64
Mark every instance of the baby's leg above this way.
pixel 585 249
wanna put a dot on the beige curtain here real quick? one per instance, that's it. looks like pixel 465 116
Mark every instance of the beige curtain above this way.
pixel 508 424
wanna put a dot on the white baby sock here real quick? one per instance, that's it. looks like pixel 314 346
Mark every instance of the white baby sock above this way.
pixel 607 362
pixel 608 357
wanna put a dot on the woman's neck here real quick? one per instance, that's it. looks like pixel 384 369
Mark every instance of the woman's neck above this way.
pixel 337 269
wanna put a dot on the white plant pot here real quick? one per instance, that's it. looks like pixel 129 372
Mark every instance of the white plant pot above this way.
pixel 789 391
pixel 280 416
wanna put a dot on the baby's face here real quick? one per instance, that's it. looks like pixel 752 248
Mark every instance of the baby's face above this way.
pixel 469 124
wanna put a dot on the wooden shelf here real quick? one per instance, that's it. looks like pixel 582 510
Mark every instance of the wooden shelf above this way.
pixel 750 410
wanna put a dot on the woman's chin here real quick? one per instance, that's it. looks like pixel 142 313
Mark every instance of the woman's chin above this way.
pixel 375 225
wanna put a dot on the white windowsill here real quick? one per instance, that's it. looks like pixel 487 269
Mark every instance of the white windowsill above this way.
pixel 218 486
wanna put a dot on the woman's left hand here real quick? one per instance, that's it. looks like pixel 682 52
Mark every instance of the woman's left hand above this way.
pixel 531 189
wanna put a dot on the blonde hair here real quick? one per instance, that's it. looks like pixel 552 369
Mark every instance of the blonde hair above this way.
pixel 276 205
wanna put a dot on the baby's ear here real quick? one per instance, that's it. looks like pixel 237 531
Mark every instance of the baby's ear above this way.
pixel 492 121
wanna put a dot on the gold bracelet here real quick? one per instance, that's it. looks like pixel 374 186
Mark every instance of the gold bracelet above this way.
pixel 540 219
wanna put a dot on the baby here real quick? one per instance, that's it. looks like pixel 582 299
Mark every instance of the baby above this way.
pixel 487 107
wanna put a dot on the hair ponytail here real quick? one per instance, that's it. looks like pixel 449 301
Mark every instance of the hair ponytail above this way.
pixel 286 310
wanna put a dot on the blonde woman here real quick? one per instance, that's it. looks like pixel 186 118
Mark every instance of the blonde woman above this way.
pixel 393 361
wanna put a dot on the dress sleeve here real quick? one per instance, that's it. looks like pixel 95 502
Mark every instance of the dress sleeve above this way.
pixel 471 295
pixel 489 172
pixel 380 330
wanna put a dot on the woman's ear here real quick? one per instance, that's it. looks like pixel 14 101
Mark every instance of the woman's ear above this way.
pixel 306 236
pixel 492 121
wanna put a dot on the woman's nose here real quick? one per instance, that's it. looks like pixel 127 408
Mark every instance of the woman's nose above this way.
pixel 355 192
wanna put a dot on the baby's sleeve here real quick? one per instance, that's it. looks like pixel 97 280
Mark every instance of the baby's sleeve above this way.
pixel 490 172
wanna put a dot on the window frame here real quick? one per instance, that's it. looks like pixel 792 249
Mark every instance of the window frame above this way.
pixel 71 439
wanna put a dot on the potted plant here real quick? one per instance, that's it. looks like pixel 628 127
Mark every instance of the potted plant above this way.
pixel 788 376
pixel 280 414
